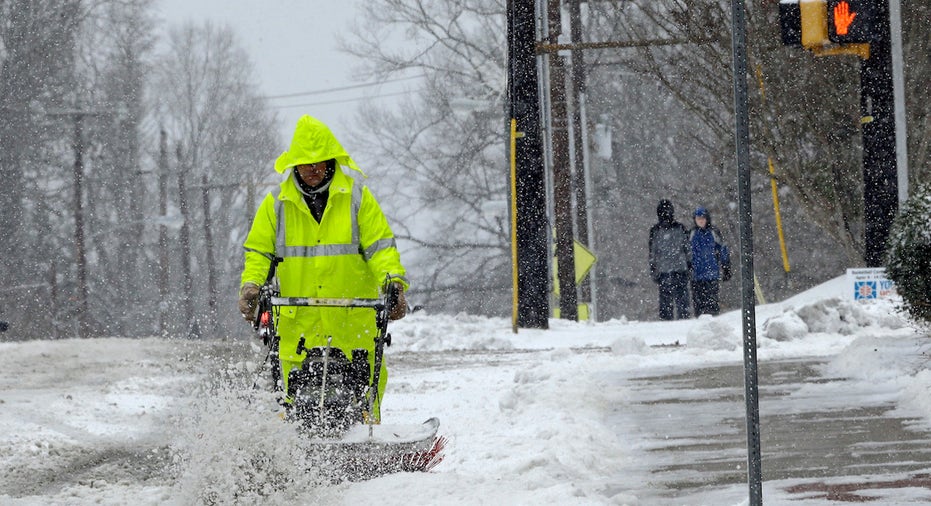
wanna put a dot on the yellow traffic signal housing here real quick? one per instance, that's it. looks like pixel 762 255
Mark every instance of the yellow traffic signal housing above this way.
pixel 814 15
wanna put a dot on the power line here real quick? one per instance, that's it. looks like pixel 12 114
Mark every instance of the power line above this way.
pixel 341 101
pixel 341 88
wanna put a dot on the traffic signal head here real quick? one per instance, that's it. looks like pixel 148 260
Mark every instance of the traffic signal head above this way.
pixel 790 23
pixel 852 21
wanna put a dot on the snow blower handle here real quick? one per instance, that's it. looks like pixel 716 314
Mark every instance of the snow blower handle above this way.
pixel 382 339
pixel 263 323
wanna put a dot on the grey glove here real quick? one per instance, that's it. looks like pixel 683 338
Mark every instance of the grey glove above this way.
pixel 399 310
pixel 248 300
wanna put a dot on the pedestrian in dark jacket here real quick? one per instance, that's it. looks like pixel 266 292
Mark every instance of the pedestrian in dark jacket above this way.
pixel 711 262
pixel 669 262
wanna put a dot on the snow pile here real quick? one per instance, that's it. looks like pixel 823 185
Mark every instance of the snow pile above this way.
pixel 629 346
pixel 785 327
pixel 422 331
pixel 832 316
pixel 915 402
pixel 713 334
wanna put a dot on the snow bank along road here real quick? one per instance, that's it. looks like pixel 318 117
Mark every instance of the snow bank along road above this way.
pixel 155 421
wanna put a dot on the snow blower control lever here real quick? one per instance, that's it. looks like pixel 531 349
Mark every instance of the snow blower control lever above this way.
pixel 264 322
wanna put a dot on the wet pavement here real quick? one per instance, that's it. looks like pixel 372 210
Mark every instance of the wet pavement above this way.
pixel 819 436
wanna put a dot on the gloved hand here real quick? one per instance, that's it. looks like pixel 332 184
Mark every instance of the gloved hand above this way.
pixel 248 300
pixel 653 274
pixel 399 310
pixel 726 272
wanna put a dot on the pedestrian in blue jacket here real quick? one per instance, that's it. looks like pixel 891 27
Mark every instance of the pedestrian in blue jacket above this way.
pixel 711 262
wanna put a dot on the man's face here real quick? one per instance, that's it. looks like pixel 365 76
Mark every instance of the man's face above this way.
pixel 312 173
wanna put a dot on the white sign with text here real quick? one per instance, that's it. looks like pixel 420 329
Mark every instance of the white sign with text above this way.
pixel 870 283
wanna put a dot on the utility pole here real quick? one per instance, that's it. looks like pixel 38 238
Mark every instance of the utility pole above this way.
pixel 587 289
pixel 562 175
pixel 163 275
pixel 185 239
pixel 529 185
pixel 877 117
pixel 211 265
pixel 79 247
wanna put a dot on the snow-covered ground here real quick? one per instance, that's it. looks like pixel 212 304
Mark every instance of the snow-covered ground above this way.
pixel 538 417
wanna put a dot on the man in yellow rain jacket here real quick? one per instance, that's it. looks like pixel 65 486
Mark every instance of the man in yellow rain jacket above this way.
pixel 335 242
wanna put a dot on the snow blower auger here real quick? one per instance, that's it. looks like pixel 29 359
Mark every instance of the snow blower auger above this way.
pixel 331 395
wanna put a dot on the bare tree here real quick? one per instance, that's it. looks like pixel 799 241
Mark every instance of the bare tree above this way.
pixel 207 100
pixel 667 98
pixel 443 149
pixel 805 109
pixel 116 56
pixel 37 41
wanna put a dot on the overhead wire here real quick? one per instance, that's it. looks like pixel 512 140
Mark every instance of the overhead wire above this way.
pixel 340 88
pixel 342 101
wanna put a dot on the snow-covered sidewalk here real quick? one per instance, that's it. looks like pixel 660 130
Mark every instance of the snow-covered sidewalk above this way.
pixel 577 414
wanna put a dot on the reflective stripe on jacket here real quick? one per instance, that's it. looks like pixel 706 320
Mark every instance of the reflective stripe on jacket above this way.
pixel 348 254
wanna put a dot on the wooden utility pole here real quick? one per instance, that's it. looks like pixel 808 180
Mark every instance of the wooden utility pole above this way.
pixel 587 288
pixel 562 173
pixel 211 265
pixel 531 267
pixel 877 113
pixel 163 275
pixel 185 238
pixel 80 251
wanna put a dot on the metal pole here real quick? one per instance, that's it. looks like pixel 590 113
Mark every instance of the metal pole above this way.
pixel 513 199
pixel 742 143
pixel 898 84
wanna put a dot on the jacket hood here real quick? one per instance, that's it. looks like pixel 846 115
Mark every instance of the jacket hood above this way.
pixel 313 142
pixel 665 211
pixel 701 211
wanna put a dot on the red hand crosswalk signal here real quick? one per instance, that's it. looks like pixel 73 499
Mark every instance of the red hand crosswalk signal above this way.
pixel 843 18
pixel 851 21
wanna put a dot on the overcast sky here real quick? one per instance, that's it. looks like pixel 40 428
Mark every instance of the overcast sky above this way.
pixel 292 44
